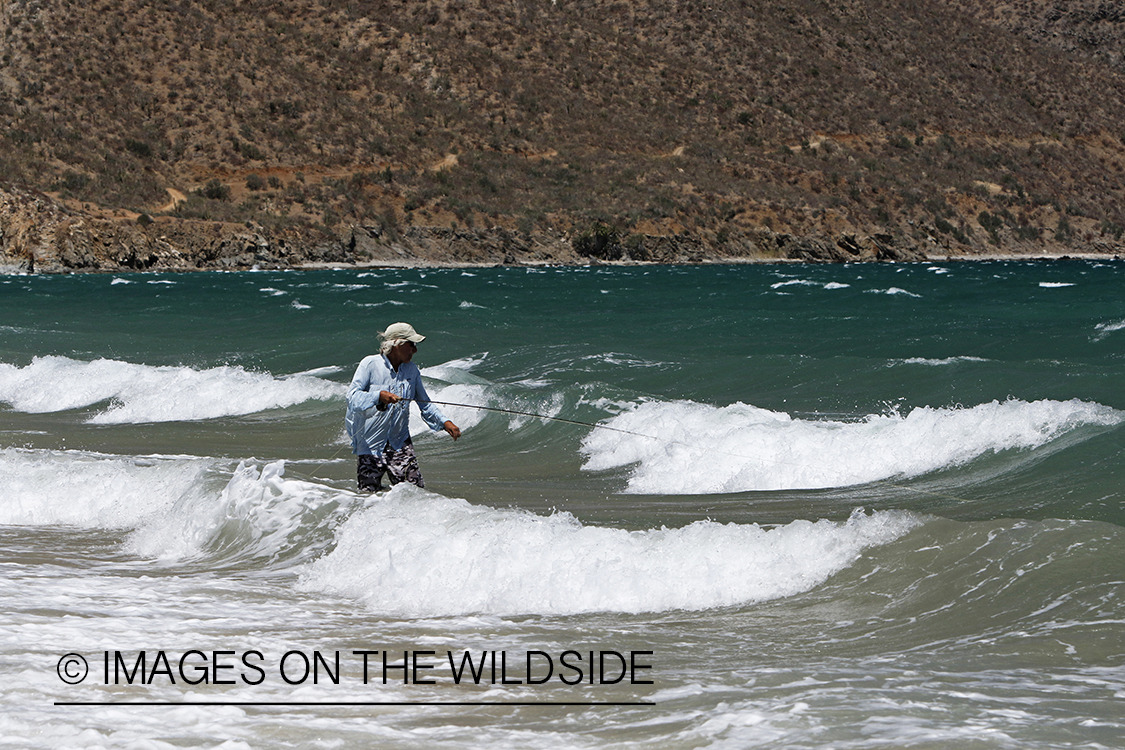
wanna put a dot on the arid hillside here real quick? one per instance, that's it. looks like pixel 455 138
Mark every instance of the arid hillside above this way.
pixel 646 129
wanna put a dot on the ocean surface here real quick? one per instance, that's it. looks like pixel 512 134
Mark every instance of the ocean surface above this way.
pixel 777 506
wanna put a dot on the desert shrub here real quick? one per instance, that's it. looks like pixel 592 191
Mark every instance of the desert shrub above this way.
pixel 119 181
pixel 139 148
pixel 249 150
pixel 992 224
pixel 598 240
pixel 1063 231
pixel 290 109
pixel 1009 181
pixel 72 182
pixel 946 227
pixel 989 221
pixel 214 190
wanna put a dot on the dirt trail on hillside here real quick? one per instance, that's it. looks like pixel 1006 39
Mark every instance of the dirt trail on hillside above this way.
pixel 448 162
pixel 177 198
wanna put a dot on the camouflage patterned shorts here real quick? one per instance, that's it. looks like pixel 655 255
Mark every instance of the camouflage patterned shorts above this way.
pixel 399 466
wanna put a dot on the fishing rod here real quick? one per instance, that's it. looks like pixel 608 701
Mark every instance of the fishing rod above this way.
pixel 545 416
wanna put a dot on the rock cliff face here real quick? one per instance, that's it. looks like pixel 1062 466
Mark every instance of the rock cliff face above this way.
pixel 40 235
pixel 31 225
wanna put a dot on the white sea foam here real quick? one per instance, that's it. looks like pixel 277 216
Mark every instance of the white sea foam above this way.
pixel 393 302
pixel 175 506
pixel 143 393
pixel 805 282
pixel 462 392
pixel 417 554
pixel 699 449
pixel 259 513
pixel 317 371
pixel 454 368
pixel 1103 329
pixel 794 282
pixel 90 490
pixel 894 290
pixel 936 362
pixel 463 396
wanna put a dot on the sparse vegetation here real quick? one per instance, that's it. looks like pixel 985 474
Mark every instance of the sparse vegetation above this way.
pixel 598 240
pixel 658 117
pixel 1063 230
pixel 214 191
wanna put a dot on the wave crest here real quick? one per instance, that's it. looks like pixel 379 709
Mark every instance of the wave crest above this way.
pixel 417 554
pixel 143 393
pixel 700 449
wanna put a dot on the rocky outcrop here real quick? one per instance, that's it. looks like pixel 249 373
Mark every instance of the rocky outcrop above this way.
pixel 845 248
pixel 420 245
pixel 28 221
pixel 603 244
pixel 40 235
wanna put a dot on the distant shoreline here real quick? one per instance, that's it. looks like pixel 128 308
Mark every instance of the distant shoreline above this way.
pixel 430 264
pixel 991 257
pixel 41 235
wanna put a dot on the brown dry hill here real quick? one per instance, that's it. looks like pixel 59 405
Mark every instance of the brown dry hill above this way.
pixel 544 130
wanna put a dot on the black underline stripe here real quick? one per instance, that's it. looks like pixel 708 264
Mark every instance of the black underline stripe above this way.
pixel 351 703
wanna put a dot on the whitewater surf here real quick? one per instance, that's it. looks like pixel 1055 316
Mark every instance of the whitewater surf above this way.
pixel 768 506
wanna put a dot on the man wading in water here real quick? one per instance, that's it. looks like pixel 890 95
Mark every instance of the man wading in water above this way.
pixel 378 418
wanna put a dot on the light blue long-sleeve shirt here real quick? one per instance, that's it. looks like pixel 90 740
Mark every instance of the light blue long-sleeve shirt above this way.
pixel 371 429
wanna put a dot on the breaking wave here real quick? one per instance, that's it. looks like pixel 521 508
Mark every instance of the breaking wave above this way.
pixel 143 393
pixel 692 448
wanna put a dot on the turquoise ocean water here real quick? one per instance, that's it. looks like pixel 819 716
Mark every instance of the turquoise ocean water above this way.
pixel 860 506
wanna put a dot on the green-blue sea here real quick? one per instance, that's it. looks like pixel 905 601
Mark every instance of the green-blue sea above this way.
pixel 783 506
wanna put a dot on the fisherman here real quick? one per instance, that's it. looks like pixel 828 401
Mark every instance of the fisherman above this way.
pixel 378 417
